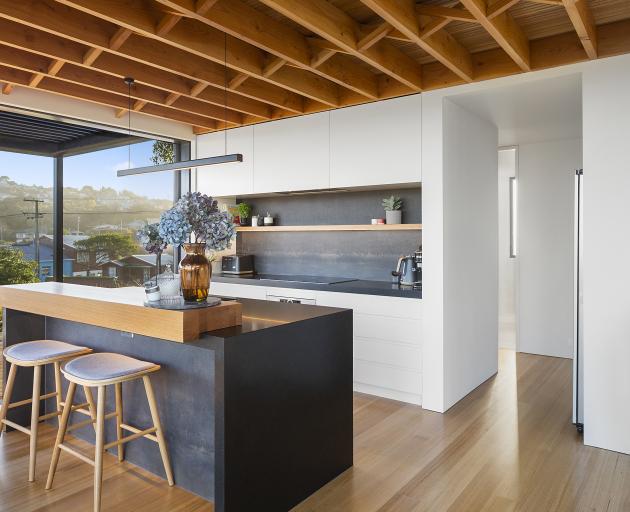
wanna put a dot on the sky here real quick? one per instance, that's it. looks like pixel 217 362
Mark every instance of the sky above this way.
pixel 97 169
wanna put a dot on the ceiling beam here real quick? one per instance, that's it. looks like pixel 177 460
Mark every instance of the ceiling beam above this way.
pixel 504 30
pixel 6 88
pixel 43 43
pixel 257 28
pixel 440 44
pixel 336 26
pixel 580 14
pixel 75 74
pixel 374 35
pixel 70 25
pixel 63 88
pixel 209 43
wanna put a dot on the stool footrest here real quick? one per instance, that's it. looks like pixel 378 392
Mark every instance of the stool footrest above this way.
pixel 77 454
pixel 140 433
pixel 30 400
pixel 17 427
pixel 135 430
pixel 49 415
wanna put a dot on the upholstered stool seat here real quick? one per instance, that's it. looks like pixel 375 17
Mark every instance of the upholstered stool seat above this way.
pixel 101 370
pixel 42 350
pixel 37 354
pixel 105 366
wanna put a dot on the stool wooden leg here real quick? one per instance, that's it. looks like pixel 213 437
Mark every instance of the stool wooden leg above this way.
pixel 58 387
pixel 61 433
pixel 8 391
pixel 91 405
pixel 159 433
pixel 119 420
pixel 37 381
pixel 100 443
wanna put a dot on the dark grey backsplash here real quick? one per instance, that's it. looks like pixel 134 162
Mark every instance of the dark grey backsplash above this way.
pixel 337 208
pixel 358 254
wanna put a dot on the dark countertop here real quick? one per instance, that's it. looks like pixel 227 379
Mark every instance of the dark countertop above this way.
pixel 359 286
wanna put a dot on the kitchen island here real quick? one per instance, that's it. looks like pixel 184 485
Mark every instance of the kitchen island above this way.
pixel 257 416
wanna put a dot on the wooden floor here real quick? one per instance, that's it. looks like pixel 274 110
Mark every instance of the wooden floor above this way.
pixel 509 446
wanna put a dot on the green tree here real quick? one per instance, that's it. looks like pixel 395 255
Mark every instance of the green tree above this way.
pixel 107 246
pixel 15 269
pixel 163 152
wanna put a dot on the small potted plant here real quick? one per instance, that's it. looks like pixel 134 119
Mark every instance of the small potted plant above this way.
pixel 244 213
pixel 393 213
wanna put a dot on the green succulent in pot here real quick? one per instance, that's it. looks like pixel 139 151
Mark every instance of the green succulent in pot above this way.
pixel 244 212
pixel 393 209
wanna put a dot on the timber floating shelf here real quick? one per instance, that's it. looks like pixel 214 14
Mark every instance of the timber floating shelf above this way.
pixel 333 227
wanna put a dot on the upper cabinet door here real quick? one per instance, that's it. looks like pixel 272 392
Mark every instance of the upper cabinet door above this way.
pixel 376 144
pixel 233 179
pixel 292 154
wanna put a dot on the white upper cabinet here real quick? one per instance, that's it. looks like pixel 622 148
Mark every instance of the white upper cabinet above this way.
pixel 376 144
pixel 233 179
pixel 292 154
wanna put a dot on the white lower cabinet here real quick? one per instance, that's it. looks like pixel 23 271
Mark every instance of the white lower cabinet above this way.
pixel 387 336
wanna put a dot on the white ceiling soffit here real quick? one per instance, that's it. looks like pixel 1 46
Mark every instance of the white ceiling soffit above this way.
pixel 548 109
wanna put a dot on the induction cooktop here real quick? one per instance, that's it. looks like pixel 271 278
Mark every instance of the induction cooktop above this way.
pixel 295 278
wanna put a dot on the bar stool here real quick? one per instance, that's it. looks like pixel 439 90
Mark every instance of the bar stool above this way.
pixel 100 370
pixel 37 354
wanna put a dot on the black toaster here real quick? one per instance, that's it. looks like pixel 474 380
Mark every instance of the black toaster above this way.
pixel 238 264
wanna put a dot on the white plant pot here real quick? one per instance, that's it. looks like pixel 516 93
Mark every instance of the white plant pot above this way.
pixel 393 216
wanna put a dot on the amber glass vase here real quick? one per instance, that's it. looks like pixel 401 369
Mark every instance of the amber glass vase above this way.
pixel 195 272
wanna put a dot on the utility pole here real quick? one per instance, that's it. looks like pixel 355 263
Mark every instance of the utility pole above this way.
pixel 35 216
pixel 78 224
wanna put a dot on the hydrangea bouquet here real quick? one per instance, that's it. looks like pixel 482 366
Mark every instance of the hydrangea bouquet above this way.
pixel 196 218
pixel 150 239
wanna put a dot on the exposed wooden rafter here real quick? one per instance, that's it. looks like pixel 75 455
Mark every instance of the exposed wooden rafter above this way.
pixel 176 51
pixel 440 44
pixel 582 19
pixel 336 26
pixel 504 30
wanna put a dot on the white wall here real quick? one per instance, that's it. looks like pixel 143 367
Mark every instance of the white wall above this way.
pixel 470 251
pixel 546 179
pixel 606 93
pixel 507 265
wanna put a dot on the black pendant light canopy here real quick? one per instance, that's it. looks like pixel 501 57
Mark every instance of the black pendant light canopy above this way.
pixel 186 164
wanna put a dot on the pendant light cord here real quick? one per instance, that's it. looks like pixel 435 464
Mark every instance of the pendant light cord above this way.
pixel 129 123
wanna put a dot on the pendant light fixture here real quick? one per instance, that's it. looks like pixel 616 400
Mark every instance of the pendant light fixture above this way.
pixel 186 164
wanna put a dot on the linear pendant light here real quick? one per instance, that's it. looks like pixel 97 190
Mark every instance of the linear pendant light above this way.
pixel 186 164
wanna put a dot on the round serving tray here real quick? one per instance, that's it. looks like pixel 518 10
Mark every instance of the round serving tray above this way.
pixel 181 304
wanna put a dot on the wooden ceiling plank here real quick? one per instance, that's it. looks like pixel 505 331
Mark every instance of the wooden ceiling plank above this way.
pixel 172 98
pixel 36 80
pixel 499 7
pixel 259 29
pixel 119 38
pixel 207 42
pixel 322 56
pixel 203 6
pixel 580 15
pixel 91 55
pixel 440 44
pixel 55 67
pixel 274 64
pixel 504 30
pixel 432 27
pixel 72 25
pixel 333 24
pixel 7 88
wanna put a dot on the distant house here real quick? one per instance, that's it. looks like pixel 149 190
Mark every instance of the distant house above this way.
pixel 70 251
pixel 134 269
pixel 24 238
pixel 46 258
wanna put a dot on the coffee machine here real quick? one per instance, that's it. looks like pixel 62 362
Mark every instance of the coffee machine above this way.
pixel 409 269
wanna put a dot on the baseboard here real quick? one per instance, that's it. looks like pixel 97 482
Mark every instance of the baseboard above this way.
pixel 392 394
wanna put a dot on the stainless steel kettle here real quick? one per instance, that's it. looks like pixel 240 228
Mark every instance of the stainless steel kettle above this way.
pixel 409 269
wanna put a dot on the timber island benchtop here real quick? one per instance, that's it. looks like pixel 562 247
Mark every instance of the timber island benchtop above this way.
pixel 118 308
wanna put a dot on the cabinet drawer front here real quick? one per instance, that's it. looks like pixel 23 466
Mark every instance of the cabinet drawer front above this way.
pixel 238 290
pixel 394 354
pixel 374 374
pixel 398 307
pixel 386 328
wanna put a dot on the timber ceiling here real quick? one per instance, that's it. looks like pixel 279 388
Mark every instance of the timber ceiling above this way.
pixel 288 57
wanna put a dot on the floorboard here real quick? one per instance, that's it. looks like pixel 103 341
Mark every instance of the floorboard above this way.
pixel 508 446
